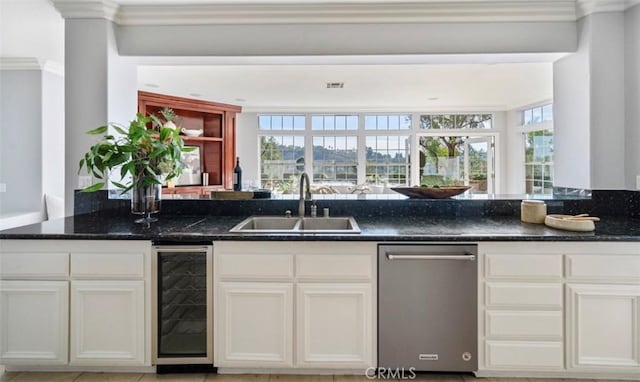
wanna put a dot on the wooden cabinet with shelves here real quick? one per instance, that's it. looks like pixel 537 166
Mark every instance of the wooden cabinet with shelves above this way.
pixel 217 144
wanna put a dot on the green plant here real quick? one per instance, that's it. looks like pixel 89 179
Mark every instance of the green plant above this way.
pixel 148 149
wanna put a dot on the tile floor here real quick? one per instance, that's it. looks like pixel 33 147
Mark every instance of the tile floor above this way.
pixel 140 377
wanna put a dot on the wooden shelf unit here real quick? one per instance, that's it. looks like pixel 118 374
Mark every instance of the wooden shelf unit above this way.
pixel 217 144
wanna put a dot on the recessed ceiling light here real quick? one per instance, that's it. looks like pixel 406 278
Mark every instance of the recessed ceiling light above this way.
pixel 152 85
pixel 241 100
pixel 433 98
pixel 195 94
pixel 335 85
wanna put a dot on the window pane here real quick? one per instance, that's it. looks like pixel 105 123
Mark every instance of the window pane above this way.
pixel 537 115
pixel 317 122
pixel 457 121
pixel 387 160
pixel 547 112
pixel 528 117
pixel 264 122
pixel 352 122
pixel 382 122
pixel 370 122
pixel 281 161
pixel 335 159
pixel 298 122
pixel 287 122
pixel 276 122
pixel 394 122
pixel 341 122
pixel 539 161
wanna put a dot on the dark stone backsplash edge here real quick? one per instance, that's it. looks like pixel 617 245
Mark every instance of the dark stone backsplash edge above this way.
pixel 602 203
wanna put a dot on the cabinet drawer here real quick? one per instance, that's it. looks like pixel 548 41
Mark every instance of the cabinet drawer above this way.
pixel 270 267
pixel 523 266
pixel 29 266
pixel 614 267
pixel 524 355
pixel 523 325
pixel 530 295
pixel 107 265
pixel 334 267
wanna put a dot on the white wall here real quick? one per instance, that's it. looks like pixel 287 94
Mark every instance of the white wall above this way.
pixel 247 146
pixel 21 140
pixel 514 154
pixel 31 28
pixel 53 134
pixel 572 111
pixel 350 39
pixel 607 101
pixel 100 87
pixel 589 96
pixel 632 95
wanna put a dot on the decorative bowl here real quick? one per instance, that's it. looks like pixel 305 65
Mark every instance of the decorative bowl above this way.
pixel 431 192
pixel 192 133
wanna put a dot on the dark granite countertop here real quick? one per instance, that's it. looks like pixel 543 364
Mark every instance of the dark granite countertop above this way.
pixel 199 228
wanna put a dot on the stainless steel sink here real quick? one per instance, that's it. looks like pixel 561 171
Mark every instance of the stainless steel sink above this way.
pixel 278 224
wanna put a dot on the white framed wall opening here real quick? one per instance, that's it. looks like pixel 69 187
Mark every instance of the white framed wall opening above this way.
pixel 371 152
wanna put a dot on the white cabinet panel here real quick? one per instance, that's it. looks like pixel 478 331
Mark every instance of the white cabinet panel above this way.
pixel 107 323
pixel 34 322
pixel 255 266
pixel 618 268
pixel 334 326
pixel 29 266
pixel 521 355
pixel 498 266
pixel 335 267
pixel 107 265
pixel 604 326
pixel 519 325
pixel 255 325
pixel 529 295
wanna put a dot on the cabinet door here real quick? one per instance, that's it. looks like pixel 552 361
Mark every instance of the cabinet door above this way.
pixel 254 324
pixel 603 327
pixel 33 322
pixel 334 326
pixel 107 323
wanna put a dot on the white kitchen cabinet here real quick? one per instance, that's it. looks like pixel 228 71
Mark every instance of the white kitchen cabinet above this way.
pixel 108 323
pixel 74 302
pixel 330 324
pixel 334 325
pixel 255 325
pixel 604 327
pixel 33 322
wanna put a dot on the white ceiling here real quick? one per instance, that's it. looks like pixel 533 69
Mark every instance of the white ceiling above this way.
pixel 452 87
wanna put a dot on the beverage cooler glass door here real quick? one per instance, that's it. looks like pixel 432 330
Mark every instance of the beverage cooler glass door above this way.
pixel 183 311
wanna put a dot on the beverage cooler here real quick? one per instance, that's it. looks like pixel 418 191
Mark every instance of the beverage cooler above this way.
pixel 182 315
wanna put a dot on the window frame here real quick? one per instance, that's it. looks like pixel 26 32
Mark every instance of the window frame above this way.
pixel 414 133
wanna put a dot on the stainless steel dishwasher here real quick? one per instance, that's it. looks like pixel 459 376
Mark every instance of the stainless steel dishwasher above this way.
pixel 427 307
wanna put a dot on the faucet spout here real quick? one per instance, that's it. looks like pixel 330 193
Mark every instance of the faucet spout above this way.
pixel 305 193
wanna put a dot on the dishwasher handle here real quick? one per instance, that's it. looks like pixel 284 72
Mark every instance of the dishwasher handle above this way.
pixel 465 257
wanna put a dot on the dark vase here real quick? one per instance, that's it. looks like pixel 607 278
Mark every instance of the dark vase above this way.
pixel 145 200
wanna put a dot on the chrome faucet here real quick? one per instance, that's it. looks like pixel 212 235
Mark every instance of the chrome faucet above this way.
pixel 304 194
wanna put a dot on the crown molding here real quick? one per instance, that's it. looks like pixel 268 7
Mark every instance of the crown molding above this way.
pixel 31 63
pixel 87 9
pixel 355 12
pixel 587 7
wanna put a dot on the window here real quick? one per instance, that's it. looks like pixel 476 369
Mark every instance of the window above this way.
pixel 281 122
pixel 387 122
pixel 282 160
pixel 538 146
pixel 342 150
pixel 537 114
pixel 387 159
pixel 334 122
pixel 335 159
pixel 456 121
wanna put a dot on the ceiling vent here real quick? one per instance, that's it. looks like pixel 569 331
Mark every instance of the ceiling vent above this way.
pixel 335 85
